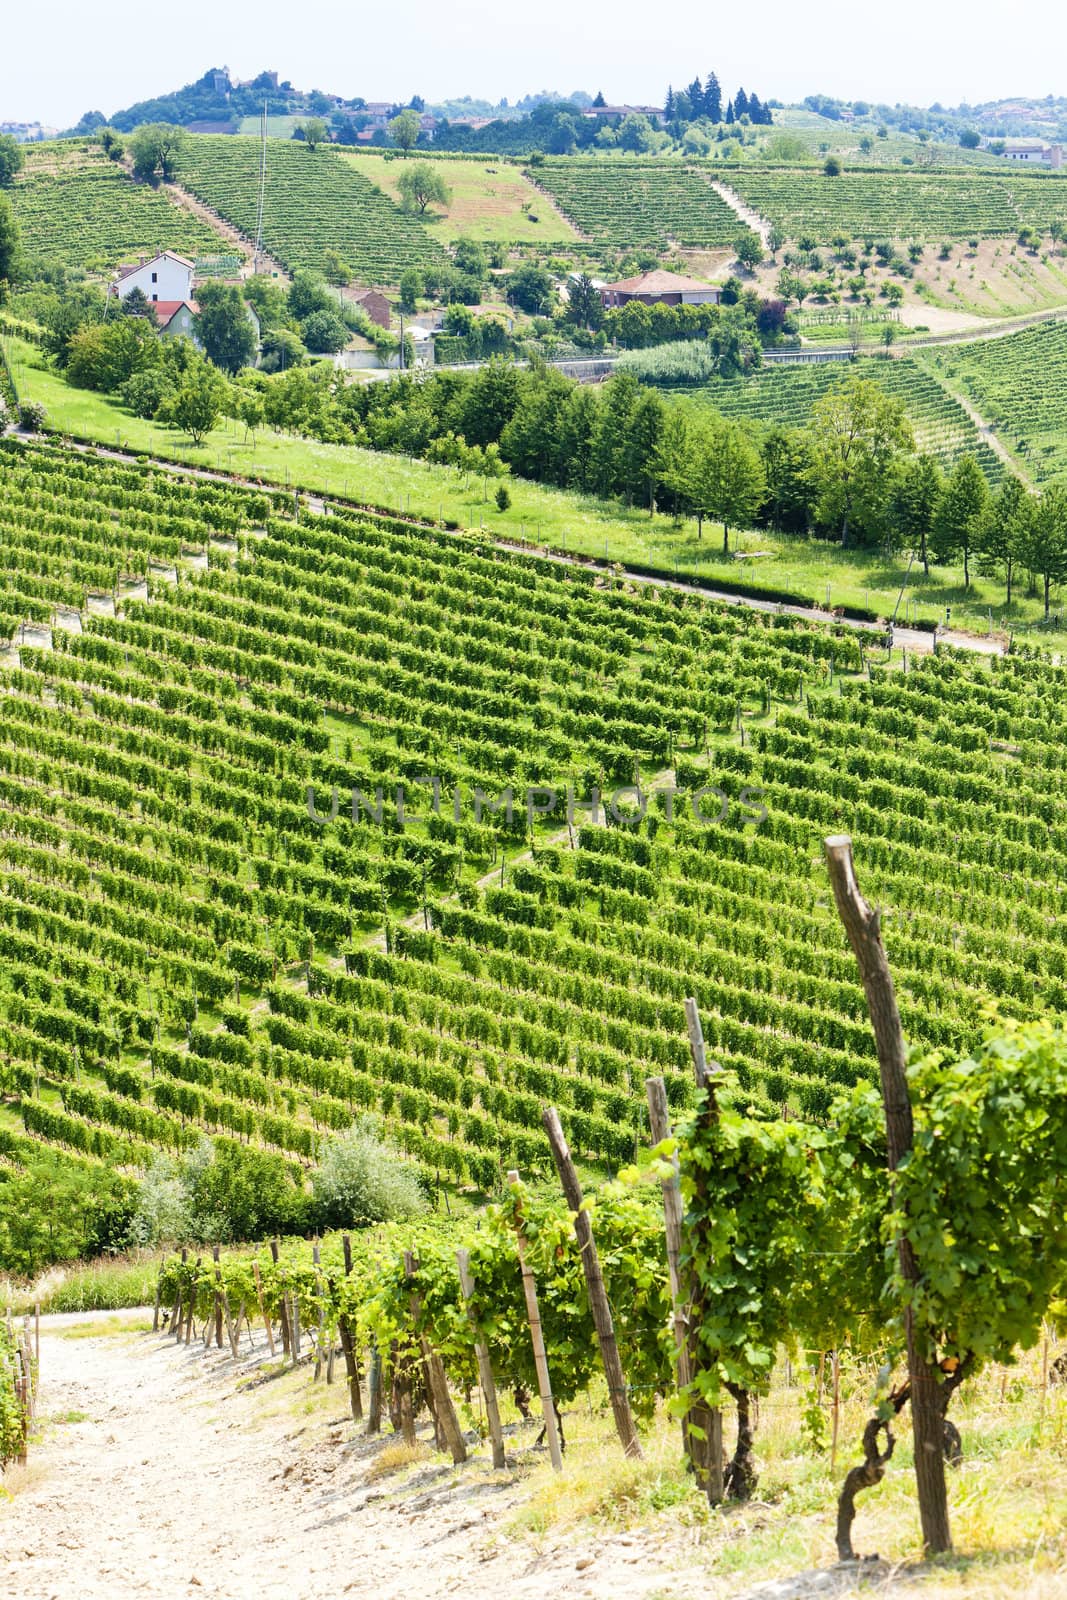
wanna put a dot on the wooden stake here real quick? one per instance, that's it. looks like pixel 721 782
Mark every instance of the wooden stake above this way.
pixel 262 1306
pixel 374 1391
pixel 437 1382
pixel 863 927
pixel 222 1308
pixel 660 1124
pixel 485 1366
pixel 348 1344
pixel 192 1300
pixel 537 1338
pixel 599 1304
pixel 704 1422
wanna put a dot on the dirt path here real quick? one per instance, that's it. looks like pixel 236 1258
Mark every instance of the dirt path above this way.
pixel 752 219
pixel 177 1483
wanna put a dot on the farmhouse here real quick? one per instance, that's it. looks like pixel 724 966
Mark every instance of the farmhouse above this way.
pixel 176 316
pixel 660 288
pixel 374 304
pixel 164 277
pixel 1033 152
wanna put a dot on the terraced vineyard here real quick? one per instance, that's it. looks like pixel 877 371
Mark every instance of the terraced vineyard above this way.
pixel 315 200
pixel 622 203
pixel 785 394
pixel 186 949
pixel 902 205
pixel 1019 383
pixel 77 209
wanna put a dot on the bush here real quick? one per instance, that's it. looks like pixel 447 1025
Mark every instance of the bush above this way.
pixel 360 1180
pixel 324 333
pixel 503 498
pixel 32 416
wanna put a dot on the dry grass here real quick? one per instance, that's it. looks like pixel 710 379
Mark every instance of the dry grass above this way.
pixel 1008 1500
pixel 394 1458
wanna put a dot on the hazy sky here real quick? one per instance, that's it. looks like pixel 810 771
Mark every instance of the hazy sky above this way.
pixel 71 57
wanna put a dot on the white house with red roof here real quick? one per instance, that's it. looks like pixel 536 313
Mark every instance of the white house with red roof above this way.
pixel 167 278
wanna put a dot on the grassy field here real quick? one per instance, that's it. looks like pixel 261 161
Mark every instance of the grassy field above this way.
pixel 546 517
pixel 490 201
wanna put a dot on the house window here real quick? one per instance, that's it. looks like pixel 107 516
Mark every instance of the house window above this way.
pixel 155 278
pixel 155 297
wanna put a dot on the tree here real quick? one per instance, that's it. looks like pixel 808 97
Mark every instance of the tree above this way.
pixel 404 130
pixel 111 143
pixel 1005 532
pixel 280 350
pixel 712 99
pixel 307 293
pixel 315 132
pixel 960 514
pixel 917 489
pixel 888 336
pixel 789 469
pixel 9 244
pixel 156 148
pixel 250 410
pixel 324 332
pixel 335 268
pixel 532 289
pixel 1046 545
pixel 859 432
pixel 196 406
pixel 412 288
pixel 137 304
pixel 775 239
pixel 360 1179
pixel 585 308
pixel 832 167
pixel 733 480
pixel 970 139
pixel 11 159
pixel 423 185
pixel 749 250
pixel 224 327
pixel 635 133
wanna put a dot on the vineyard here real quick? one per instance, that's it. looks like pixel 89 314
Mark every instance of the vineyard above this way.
pixel 1019 383
pixel 902 205
pixel 187 950
pixel 315 200
pixel 77 209
pixel 624 204
pixel 785 394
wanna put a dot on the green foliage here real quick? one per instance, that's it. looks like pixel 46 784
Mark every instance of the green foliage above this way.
pixel 54 1209
pixel 12 161
pixel 13 1421
pixel 359 1179
pixel 404 130
pixel 156 149
pixel 9 242
pixel 532 289
pixel 324 333
pixel 422 185
pixel 224 327
pixel 197 403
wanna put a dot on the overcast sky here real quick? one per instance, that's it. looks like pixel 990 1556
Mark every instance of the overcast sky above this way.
pixel 70 57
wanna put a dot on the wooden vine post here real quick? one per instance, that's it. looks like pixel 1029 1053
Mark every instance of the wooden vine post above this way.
pixel 704 1422
pixel 262 1305
pixel 348 1345
pixel 444 1411
pixel 599 1303
pixel 485 1366
pixel 660 1124
pixel 537 1338
pixel 863 927
pixel 283 1313
pixel 222 1303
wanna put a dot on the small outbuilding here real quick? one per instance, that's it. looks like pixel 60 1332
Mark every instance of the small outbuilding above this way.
pixel 660 288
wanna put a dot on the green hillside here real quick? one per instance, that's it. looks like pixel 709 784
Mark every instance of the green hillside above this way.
pixel 315 200
pixel 1019 383
pixel 902 204
pixel 628 203
pixel 77 209
pixel 785 394
pixel 162 874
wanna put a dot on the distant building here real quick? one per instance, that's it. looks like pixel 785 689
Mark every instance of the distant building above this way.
pixel 166 277
pixel 374 303
pixel 653 113
pixel 28 132
pixel 660 288
pixel 176 317
pixel 1033 152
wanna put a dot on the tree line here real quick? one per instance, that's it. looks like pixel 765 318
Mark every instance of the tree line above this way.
pixel 704 100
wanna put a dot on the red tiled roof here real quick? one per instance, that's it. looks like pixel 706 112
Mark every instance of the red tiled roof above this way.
pixel 167 310
pixel 659 282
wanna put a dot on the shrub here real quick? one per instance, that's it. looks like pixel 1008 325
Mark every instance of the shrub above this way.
pixel 360 1179
pixel 32 416
pixel 503 498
